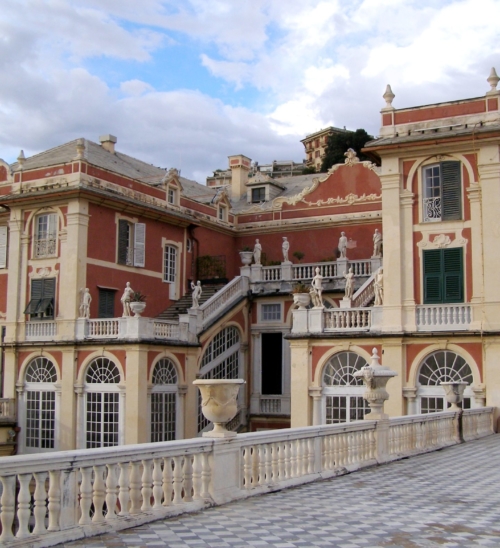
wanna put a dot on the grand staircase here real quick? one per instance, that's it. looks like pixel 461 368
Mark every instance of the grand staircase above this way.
pixel 181 306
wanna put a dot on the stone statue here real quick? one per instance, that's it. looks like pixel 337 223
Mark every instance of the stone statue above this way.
pixel 196 294
pixel 257 251
pixel 343 245
pixel 128 293
pixel 317 289
pixel 85 304
pixel 377 243
pixel 285 246
pixel 379 287
pixel 349 283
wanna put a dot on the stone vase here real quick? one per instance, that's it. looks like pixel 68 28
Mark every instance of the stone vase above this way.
pixel 302 300
pixel 219 404
pixel 137 307
pixel 246 257
pixel 454 393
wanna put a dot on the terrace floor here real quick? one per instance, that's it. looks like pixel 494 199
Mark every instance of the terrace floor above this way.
pixel 446 498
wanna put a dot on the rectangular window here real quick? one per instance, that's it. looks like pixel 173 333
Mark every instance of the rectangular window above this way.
pixel 222 213
pixel 169 263
pixel 40 419
pixel 258 195
pixel 131 243
pixel 442 192
pixel 3 246
pixel 41 305
pixel 45 241
pixel 106 303
pixel 163 416
pixel 443 276
pixel 271 312
pixel 171 196
pixel 102 423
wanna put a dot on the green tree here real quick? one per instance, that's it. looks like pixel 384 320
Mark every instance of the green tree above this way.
pixel 338 143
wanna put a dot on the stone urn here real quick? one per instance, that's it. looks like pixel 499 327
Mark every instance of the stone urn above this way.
pixel 454 393
pixel 375 377
pixel 137 307
pixel 218 404
pixel 302 300
pixel 246 257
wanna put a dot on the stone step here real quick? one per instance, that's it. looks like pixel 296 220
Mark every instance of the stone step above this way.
pixel 181 306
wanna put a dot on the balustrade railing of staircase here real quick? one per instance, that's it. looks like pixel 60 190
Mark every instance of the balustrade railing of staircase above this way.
pixel 231 292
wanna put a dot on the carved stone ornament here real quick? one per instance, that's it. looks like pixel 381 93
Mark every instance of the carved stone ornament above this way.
pixel 350 199
pixel 442 240
pixel 351 157
pixel 260 177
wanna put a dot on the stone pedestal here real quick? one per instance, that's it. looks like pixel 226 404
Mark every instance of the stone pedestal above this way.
pixel 342 266
pixel 376 263
pixel 377 318
pixel 300 323
pixel 256 273
pixel 479 395
pixel 316 320
pixel 286 271
pixel 245 271
pixel 411 398
pixel 345 302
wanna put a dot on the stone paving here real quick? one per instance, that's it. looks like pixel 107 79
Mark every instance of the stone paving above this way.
pixel 446 498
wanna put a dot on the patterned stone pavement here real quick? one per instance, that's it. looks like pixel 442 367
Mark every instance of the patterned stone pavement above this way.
pixel 446 498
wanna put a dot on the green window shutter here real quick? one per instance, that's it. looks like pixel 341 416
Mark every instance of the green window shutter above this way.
pixel 106 303
pixel 433 279
pixel 451 190
pixel 123 241
pixel 453 275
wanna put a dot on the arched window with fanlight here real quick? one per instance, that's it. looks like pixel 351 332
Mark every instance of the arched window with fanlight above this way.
pixel 39 404
pixel 437 367
pixel 221 360
pixel 102 404
pixel 164 401
pixel 342 392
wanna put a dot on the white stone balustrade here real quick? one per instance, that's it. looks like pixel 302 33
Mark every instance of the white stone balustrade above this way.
pixel 347 319
pixel 56 497
pixel 40 331
pixel 443 317
pixel 134 328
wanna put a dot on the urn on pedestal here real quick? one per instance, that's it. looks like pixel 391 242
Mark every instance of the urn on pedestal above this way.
pixel 375 377
pixel 454 393
pixel 219 404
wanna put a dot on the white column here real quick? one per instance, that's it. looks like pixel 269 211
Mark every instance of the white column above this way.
pixel 316 393
pixel 408 282
pixel 256 373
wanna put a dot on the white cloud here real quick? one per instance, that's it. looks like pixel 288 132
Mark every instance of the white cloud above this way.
pixel 135 87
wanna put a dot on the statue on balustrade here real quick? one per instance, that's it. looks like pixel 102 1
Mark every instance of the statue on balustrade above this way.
pixel 257 251
pixel 377 244
pixel 85 304
pixel 349 284
pixel 379 287
pixel 196 294
pixel 317 289
pixel 285 247
pixel 343 246
pixel 127 296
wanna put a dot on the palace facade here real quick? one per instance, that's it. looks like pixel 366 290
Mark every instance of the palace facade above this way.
pixel 81 369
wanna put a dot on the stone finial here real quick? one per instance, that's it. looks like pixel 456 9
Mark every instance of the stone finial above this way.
pixel 388 97
pixel 80 149
pixel 21 159
pixel 375 358
pixel 493 80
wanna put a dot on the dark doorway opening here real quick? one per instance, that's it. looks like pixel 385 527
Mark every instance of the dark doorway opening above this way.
pixel 272 363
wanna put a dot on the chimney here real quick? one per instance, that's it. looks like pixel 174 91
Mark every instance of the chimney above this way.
pixel 108 142
pixel 239 166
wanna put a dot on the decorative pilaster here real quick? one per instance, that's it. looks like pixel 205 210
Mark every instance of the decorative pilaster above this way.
pixel 316 393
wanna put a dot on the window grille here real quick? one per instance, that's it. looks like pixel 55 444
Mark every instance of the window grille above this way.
pixel 169 263
pixel 40 404
pixel 102 404
pixel 342 392
pixel 442 366
pixel 45 242
pixel 220 361
pixel 271 312
pixel 442 192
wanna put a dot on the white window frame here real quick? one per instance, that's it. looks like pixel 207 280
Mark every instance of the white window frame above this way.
pixel 163 389
pixel 271 320
pixel 103 388
pixel 222 214
pixel 4 240
pixel 41 388
pixel 45 242
pixel 342 390
pixel 136 245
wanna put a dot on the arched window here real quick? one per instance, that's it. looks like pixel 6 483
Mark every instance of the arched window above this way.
pixel 40 405
pixel 221 360
pixel 441 366
pixel 343 393
pixel 102 402
pixel 164 401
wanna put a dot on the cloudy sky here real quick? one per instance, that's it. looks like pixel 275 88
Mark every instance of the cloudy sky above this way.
pixel 185 83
